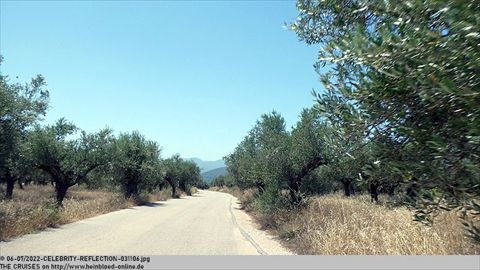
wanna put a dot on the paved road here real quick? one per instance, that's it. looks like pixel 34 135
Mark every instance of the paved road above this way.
pixel 207 223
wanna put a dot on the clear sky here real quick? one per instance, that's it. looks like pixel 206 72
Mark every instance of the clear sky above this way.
pixel 193 76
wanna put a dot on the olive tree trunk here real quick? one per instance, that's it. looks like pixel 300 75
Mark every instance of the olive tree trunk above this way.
pixel 373 192
pixel 10 184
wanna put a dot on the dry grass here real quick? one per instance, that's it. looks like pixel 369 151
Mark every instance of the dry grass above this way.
pixel 83 204
pixel 244 196
pixel 161 195
pixel 337 225
pixel 33 208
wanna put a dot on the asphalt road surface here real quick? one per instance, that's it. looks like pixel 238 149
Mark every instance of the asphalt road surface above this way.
pixel 207 223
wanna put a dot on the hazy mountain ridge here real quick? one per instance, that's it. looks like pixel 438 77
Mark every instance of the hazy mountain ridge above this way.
pixel 206 165
pixel 212 174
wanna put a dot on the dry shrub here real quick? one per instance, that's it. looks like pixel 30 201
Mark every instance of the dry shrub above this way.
pixel 33 208
pixel 235 191
pixel 18 219
pixel 245 197
pixel 336 225
pixel 31 194
pixel 30 209
pixel 86 203
pixel 161 195
pixel 214 188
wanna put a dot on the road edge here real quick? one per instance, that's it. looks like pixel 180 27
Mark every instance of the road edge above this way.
pixel 243 232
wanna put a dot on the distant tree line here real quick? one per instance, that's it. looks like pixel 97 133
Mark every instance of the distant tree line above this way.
pixel 66 156
pixel 400 113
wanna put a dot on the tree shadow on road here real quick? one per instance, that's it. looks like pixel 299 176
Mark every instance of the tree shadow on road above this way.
pixel 153 204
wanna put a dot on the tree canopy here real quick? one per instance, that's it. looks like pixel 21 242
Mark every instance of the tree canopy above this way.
pixel 66 160
pixel 21 106
pixel 406 72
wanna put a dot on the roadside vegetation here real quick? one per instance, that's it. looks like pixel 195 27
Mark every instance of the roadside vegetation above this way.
pixel 386 160
pixel 394 137
pixel 56 174
pixel 334 224
pixel 33 207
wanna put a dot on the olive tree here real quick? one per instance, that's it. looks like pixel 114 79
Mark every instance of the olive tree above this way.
pixel 68 160
pixel 20 107
pixel 190 176
pixel 135 163
pixel 307 150
pixel 182 174
pixel 260 159
pixel 412 69
pixel 241 164
pixel 271 157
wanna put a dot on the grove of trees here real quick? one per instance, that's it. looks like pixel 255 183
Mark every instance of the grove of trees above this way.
pixel 66 156
pixel 400 113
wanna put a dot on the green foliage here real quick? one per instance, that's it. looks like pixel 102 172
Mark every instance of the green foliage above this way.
pixel 66 160
pixel 405 73
pixel 102 178
pixel 223 180
pixel 270 200
pixel 308 139
pixel 20 107
pixel 182 173
pixel 261 158
pixel 308 150
pixel 269 156
pixel 52 212
pixel 320 181
pixel 190 176
pixel 136 163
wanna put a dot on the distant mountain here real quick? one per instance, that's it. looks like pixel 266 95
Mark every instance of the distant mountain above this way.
pixel 212 174
pixel 206 166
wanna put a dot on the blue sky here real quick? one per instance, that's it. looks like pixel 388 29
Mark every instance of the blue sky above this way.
pixel 193 76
